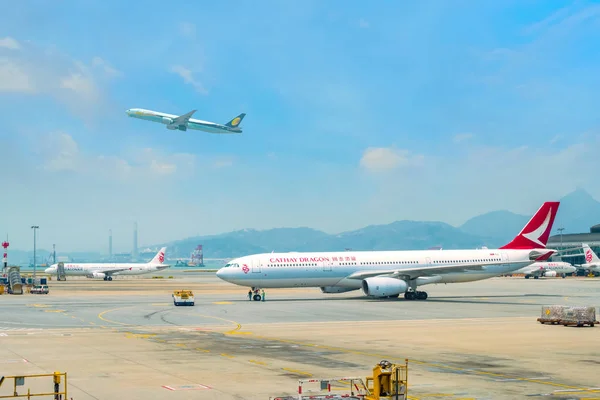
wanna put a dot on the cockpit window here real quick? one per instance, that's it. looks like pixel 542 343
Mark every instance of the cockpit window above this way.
pixel 231 265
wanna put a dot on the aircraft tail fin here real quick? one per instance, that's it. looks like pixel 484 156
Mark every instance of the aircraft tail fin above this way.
pixel 537 231
pixel 590 255
pixel 235 122
pixel 159 258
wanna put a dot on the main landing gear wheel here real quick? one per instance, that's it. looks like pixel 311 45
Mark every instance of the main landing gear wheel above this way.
pixel 108 278
pixel 415 295
pixel 257 297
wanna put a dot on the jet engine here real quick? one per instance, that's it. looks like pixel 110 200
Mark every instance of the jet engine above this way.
pixel 98 274
pixel 550 273
pixel 383 286
pixel 167 121
pixel 336 289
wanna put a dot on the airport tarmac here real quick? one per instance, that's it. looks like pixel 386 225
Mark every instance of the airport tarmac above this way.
pixel 125 339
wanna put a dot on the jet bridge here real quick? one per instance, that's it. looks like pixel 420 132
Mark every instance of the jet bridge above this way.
pixel 14 280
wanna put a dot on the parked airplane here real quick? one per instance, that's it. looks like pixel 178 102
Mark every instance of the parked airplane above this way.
pixel 546 268
pixel 108 270
pixel 391 273
pixel 185 121
pixel 592 262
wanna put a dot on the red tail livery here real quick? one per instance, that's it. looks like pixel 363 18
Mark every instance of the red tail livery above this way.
pixel 537 231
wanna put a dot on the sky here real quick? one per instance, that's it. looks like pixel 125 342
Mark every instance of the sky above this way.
pixel 357 114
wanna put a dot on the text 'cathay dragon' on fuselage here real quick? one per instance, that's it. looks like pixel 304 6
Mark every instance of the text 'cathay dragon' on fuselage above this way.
pixel 185 121
pixel 387 274
pixel 107 270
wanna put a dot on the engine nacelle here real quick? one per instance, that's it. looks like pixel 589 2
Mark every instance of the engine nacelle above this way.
pixel 383 286
pixel 166 121
pixel 97 275
pixel 550 273
pixel 336 289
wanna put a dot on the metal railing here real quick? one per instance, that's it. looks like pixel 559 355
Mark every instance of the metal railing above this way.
pixel 20 381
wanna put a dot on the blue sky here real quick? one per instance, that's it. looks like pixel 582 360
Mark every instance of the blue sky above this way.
pixel 356 114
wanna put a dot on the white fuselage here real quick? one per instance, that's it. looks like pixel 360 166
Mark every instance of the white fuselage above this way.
pixel 538 268
pixel 594 266
pixel 333 269
pixel 87 269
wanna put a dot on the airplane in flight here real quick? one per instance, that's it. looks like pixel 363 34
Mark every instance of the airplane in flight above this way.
pixel 185 121
pixel 387 274
pixel 108 270
pixel 546 268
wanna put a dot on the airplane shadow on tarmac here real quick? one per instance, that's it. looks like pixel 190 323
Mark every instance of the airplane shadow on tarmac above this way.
pixel 445 299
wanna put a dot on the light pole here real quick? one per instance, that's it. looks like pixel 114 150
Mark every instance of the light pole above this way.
pixel 34 227
pixel 561 231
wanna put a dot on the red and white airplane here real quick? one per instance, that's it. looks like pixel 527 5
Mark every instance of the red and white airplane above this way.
pixel 386 274
pixel 107 270
pixel 547 268
pixel 592 262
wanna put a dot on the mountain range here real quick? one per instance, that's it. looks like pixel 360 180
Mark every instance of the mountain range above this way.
pixel 577 213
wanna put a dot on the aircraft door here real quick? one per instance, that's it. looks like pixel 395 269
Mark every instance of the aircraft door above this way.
pixel 327 265
pixel 504 257
pixel 428 261
pixel 255 265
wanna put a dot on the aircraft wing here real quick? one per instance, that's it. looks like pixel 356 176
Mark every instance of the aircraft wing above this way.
pixel 183 119
pixel 412 273
pixel 109 271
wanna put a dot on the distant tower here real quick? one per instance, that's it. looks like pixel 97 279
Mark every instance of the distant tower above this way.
pixel 110 243
pixel 54 254
pixel 198 257
pixel 134 253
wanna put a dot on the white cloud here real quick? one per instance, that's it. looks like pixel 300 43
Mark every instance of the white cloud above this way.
pixel 61 153
pixel 223 162
pixel 83 86
pixel 14 79
pixel 9 43
pixel 465 182
pixel 106 67
pixel 45 71
pixel 461 137
pixel 187 29
pixel 64 152
pixel 188 78
pixel 384 158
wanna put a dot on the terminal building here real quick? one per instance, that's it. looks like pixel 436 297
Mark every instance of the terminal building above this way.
pixel 570 243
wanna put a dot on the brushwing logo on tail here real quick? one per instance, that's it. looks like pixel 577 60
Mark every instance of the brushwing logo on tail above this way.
pixel 588 255
pixel 161 257
pixel 537 234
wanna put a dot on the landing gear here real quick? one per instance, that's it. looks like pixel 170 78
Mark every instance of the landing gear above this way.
pixel 564 276
pixel 415 295
pixel 527 276
pixel 108 278
pixel 536 277
pixel 256 294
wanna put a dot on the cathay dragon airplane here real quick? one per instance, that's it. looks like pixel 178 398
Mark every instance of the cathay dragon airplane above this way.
pixel 108 270
pixel 387 274
pixel 185 121
pixel 546 268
